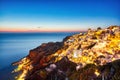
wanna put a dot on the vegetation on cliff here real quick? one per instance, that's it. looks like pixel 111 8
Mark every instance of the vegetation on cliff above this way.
pixel 94 55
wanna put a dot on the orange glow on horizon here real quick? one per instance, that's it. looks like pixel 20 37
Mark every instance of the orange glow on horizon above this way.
pixel 38 30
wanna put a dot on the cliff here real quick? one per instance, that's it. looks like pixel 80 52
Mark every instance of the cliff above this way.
pixel 94 55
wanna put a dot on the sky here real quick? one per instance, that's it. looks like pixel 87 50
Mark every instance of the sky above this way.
pixel 57 15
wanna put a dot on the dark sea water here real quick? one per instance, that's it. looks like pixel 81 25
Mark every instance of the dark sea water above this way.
pixel 14 46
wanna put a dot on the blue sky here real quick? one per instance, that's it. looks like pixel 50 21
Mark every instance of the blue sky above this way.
pixel 58 15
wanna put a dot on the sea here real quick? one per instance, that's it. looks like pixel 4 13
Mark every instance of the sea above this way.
pixel 15 46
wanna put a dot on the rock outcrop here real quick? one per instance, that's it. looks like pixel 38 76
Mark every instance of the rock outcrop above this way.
pixel 94 55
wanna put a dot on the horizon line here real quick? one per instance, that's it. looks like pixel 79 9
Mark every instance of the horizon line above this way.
pixel 39 31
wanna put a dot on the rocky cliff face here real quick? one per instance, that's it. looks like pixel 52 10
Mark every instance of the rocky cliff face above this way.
pixel 94 55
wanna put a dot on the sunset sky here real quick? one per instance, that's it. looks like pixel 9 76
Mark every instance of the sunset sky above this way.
pixel 57 15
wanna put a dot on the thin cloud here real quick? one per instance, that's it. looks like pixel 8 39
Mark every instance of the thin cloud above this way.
pixel 39 27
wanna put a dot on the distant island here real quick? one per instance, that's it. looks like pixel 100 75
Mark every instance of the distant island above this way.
pixel 93 55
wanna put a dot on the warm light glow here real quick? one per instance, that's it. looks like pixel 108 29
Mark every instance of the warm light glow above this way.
pixel 75 55
pixel 97 73
pixel 88 56
pixel 22 76
pixel 24 69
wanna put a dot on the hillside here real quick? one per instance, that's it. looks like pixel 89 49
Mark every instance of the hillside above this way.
pixel 94 55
